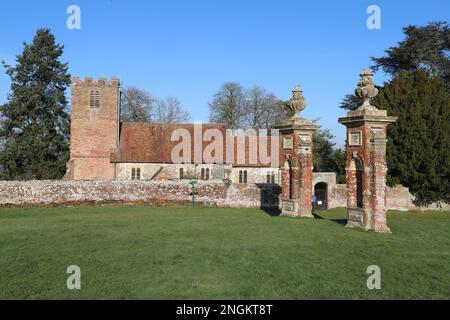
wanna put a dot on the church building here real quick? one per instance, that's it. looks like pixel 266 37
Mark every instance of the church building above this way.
pixel 103 147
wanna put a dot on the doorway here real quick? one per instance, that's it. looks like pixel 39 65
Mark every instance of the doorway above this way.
pixel 321 193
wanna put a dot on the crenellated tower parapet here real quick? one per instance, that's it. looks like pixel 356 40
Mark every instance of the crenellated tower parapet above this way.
pixel 94 128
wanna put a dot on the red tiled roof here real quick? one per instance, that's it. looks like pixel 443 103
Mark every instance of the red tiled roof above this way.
pixel 151 143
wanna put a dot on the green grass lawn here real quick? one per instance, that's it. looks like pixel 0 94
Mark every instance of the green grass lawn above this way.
pixel 131 252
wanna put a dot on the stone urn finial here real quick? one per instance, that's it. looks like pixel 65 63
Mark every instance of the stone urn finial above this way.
pixel 297 103
pixel 366 89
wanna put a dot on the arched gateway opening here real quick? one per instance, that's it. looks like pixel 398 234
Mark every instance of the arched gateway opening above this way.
pixel 288 183
pixel 359 183
pixel 321 193
pixel 291 181
pixel 355 183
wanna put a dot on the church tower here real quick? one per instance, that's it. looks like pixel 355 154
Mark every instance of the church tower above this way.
pixel 94 128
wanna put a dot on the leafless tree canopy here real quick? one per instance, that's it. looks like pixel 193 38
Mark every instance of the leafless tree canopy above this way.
pixel 170 110
pixel 262 109
pixel 228 105
pixel 140 106
pixel 136 105
pixel 243 108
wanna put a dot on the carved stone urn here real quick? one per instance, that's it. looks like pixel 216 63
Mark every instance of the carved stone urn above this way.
pixel 297 103
pixel 366 89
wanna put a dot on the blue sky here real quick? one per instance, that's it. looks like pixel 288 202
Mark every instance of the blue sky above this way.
pixel 189 48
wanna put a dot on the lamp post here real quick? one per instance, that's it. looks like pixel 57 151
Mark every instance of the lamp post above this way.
pixel 193 183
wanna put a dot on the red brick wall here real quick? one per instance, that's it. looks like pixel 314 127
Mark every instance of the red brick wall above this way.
pixel 371 154
pixel 93 130
pixel 306 169
pixel 300 159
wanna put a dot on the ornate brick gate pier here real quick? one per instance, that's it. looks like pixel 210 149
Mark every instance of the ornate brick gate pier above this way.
pixel 366 160
pixel 296 159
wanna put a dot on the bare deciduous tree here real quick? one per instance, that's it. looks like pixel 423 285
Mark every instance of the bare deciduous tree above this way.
pixel 238 107
pixel 170 110
pixel 262 109
pixel 228 105
pixel 140 106
pixel 136 105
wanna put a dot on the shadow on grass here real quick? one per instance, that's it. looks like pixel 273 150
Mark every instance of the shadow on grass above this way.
pixel 270 198
pixel 338 221
pixel 273 212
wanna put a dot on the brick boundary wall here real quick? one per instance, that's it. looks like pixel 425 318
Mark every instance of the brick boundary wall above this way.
pixel 210 193
pixel 397 198
pixel 337 196
pixel 400 198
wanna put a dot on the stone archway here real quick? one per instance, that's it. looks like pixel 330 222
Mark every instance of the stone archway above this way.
pixel 355 176
pixel 321 194
pixel 288 180
pixel 357 180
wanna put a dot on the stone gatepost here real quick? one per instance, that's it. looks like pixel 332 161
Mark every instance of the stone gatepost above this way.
pixel 366 166
pixel 296 160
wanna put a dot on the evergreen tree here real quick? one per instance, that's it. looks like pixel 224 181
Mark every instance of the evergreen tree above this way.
pixel 326 157
pixel 323 150
pixel 35 129
pixel 418 151
pixel 424 48
pixel 339 157
pixel 418 93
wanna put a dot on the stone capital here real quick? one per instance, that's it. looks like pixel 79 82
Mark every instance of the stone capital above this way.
pixel 359 120
pixel 297 124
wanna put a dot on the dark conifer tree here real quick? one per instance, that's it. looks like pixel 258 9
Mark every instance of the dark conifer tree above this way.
pixel 418 93
pixel 35 130
pixel 418 151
